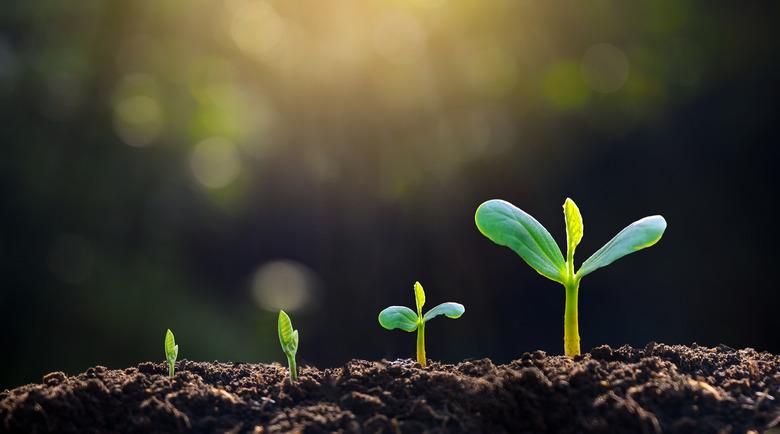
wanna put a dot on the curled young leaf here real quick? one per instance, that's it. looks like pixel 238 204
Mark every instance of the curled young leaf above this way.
pixel 636 236
pixel 171 352
pixel 449 309
pixel 419 297
pixel 574 226
pixel 295 340
pixel 288 338
pixel 171 349
pixel 509 226
pixel 398 317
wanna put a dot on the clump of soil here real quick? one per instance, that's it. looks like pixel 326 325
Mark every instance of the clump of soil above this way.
pixel 661 388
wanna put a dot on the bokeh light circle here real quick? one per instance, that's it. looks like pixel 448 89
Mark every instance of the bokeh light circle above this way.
pixel 283 284
pixel 215 162
pixel 605 68
pixel 138 114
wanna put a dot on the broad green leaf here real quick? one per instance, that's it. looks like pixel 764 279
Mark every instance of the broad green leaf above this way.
pixel 288 337
pixel 574 227
pixel 398 317
pixel 171 349
pixel 419 297
pixel 449 309
pixel 636 236
pixel 509 226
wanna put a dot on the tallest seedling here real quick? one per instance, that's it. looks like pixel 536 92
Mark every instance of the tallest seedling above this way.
pixel 509 226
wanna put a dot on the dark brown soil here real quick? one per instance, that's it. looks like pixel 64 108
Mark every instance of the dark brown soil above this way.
pixel 661 388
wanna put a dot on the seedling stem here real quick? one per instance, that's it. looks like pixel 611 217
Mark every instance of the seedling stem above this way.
pixel 571 332
pixel 421 343
pixel 293 368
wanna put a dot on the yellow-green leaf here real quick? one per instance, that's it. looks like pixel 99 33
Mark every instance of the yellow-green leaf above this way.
pixel 288 338
pixel 171 349
pixel 419 297
pixel 295 339
pixel 574 226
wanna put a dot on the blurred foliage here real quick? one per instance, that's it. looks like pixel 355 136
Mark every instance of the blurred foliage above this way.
pixel 220 159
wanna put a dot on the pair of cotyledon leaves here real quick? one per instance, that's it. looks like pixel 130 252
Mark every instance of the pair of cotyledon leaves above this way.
pixel 401 317
pixel 288 337
pixel 509 226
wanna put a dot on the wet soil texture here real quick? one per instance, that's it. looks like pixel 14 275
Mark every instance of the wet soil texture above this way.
pixel 661 388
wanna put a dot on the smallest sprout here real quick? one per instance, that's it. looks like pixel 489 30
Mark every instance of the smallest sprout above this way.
pixel 171 351
pixel 288 338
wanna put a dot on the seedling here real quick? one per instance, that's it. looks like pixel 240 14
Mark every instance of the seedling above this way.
pixel 401 317
pixel 288 338
pixel 171 351
pixel 509 226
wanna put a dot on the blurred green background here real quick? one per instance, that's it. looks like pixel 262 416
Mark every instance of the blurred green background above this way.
pixel 196 165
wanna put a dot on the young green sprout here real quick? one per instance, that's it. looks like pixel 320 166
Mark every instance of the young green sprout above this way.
pixel 509 226
pixel 401 317
pixel 171 351
pixel 288 338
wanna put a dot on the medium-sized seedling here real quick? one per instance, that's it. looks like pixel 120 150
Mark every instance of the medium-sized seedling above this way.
pixel 288 338
pixel 171 351
pixel 509 226
pixel 401 317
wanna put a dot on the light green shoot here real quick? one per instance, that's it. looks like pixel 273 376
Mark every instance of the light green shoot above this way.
pixel 288 338
pixel 401 317
pixel 171 351
pixel 509 226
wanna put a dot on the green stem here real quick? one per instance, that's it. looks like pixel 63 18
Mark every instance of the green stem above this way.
pixel 421 343
pixel 293 367
pixel 170 369
pixel 571 332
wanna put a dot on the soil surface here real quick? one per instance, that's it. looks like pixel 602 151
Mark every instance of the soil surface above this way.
pixel 661 388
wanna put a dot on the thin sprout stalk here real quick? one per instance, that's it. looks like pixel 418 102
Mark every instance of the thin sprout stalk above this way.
pixel 571 332
pixel 421 343
pixel 293 367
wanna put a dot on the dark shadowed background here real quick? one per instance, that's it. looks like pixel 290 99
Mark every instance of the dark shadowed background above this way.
pixel 196 165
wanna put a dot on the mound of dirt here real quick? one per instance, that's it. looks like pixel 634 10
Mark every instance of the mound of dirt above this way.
pixel 661 388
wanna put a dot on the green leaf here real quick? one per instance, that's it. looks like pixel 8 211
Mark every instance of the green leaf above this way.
pixel 171 349
pixel 449 309
pixel 419 297
pixel 398 317
pixel 295 340
pixel 288 338
pixel 574 226
pixel 636 236
pixel 509 226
